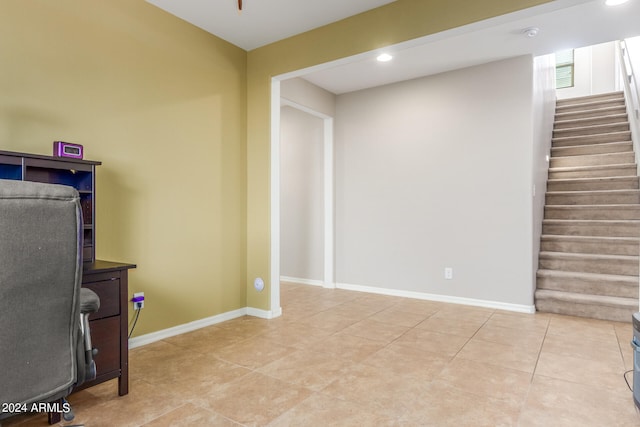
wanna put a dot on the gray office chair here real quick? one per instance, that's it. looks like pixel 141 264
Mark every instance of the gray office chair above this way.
pixel 45 344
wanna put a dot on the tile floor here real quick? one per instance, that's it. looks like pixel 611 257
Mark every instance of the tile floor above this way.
pixel 341 358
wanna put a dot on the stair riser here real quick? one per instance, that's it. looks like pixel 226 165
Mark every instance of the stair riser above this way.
pixel 621 267
pixel 593 287
pixel 604 198
pixel 597 160
pixel 627 170
pixel 618 184
pixel 583 310
pixel 585 150
pixel 591 139
pixel 589 121
pixel 585 213
pixel 577 115
pixel 632 249
pixel 617 230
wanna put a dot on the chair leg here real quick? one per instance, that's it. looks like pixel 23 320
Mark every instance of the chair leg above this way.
pixel 55 417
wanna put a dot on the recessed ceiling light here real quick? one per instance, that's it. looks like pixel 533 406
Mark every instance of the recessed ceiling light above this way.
pixel 385 57
pixel 615 2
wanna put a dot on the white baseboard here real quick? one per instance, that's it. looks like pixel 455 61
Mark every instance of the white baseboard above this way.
pixel 264 314
pixel 300 281
pixel 520 308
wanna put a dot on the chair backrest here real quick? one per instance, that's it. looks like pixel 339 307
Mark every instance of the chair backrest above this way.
pixel 40 278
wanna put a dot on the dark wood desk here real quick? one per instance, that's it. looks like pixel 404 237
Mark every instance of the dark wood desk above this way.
pixel 109 326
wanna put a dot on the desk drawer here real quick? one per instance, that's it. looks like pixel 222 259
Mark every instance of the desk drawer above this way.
pixel 109 293
pixel 105 336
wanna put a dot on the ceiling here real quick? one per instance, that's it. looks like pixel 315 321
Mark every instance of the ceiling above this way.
pixel 263 21
pixel 562 24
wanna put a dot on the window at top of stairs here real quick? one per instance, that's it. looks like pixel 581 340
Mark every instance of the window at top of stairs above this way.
pixel 564 69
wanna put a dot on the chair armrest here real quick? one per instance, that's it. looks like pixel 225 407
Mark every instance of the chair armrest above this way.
pixel 89 301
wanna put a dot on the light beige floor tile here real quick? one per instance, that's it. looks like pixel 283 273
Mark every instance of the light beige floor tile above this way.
pixel 348 347
pixel 401 360
pixel 554 402
pixel 393 396
pixel 434 342
pixel 397 315
pixel 578 327
pixel 376 330
pixel 523 322
pixel 252 353
pixel 444 405
pixel 246 326
pixel 313 370
pixel 255 399
pixel 487 380
pixel 329 321
pixel 568 345
pixel 204 340
pixel 451 325
pixel 188 374
pixel 506 356
pixel 322 410
pixel 464 312
pixel 583 371
pixel 144 403
pixel 530 340
pixel 296 335
pixel 189 415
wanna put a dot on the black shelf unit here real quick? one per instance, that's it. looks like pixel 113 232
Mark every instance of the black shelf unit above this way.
pixel 80 174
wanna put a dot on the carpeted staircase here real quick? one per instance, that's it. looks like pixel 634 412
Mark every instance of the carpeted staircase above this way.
pixel 590 244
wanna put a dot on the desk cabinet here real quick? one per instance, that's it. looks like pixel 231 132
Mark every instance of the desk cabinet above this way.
pixel 109 324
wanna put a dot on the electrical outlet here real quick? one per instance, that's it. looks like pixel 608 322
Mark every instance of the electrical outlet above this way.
pixel 138 300
pixel 448 273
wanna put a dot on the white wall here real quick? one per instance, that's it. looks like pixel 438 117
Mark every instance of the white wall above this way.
pixel 594 71
pixel 301 195
pixel 437 172
pixel 544 106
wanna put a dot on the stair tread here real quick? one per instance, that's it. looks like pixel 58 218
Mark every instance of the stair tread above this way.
pixel 587 146
pixel 629 206
pixel 605 95
pixel 596 221
pixel 593 179
pixel 575 192
pixel 588 298
pixel 590 156
pixel 622 116
pixel 602 111
pixel 603 239
pixel 602 125
pixel 590 167
pixel 565 138
pixel 589 276
pixel 575 255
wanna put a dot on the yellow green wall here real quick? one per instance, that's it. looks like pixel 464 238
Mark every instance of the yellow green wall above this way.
pixel 394 23
pixel 163 105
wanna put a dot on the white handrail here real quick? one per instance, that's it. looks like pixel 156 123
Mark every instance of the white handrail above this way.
pixel 632 96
